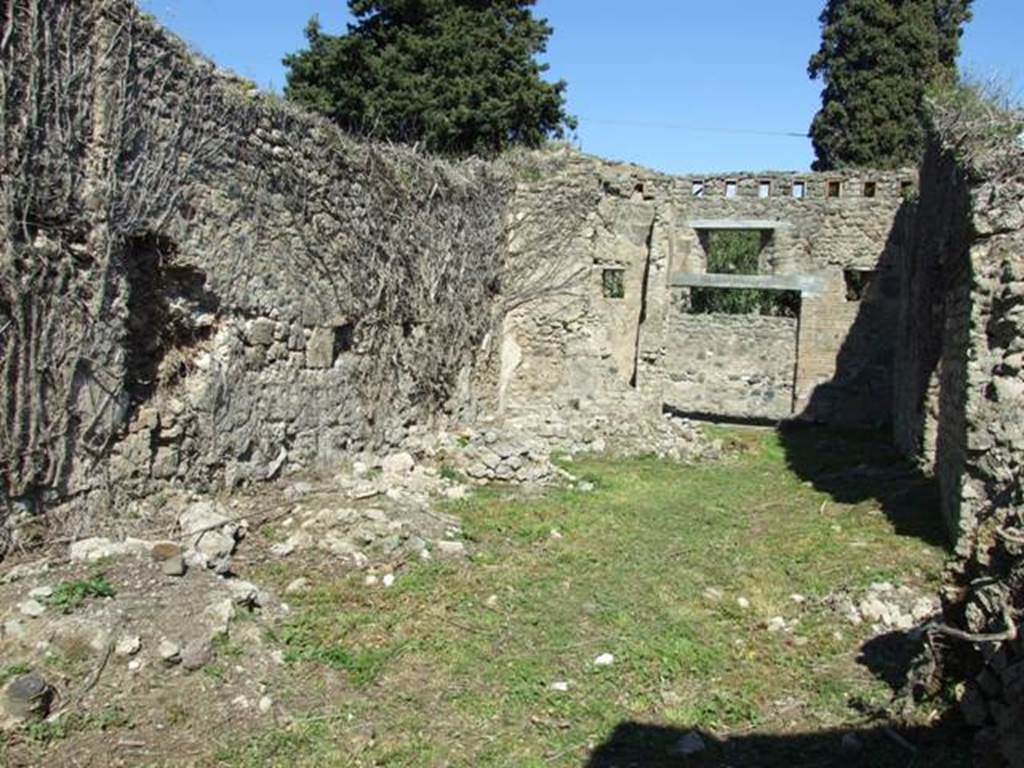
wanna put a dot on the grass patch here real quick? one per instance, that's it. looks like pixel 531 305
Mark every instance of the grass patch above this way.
pixel 454 664
pixel 12 671
pixel 450 473
pixel 70 595
pixel 318 637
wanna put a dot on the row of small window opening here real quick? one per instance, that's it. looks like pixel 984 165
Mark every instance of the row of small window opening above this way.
pixel 798 189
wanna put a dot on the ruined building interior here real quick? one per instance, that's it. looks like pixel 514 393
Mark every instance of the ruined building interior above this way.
pixel 230 319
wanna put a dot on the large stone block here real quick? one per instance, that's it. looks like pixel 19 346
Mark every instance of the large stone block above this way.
pixel 320 348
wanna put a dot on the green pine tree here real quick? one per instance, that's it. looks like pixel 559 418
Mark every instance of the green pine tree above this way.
pixel 459 76
pixel 878 58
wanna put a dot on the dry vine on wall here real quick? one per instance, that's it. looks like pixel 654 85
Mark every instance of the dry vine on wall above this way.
pixel 110 128
pixel 87 165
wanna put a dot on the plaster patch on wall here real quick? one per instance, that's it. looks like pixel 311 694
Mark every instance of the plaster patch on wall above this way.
pixel 511 359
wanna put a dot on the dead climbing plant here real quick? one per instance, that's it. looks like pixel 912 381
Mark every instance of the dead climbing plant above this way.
pixel 87 164
pixel 109 127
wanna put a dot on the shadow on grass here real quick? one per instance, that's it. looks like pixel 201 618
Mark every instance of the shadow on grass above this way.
pixel 854 466
pixel 944 745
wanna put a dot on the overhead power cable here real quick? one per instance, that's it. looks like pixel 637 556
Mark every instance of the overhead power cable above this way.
pixel 693 127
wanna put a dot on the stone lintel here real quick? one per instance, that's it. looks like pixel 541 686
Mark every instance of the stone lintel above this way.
pixel 809 285
pixel 760 224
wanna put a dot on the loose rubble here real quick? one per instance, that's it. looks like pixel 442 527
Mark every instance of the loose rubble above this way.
pixel 886 607
pixel 183 600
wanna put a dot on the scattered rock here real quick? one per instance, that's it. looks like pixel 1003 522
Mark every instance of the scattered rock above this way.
pixel 886 607
pixel 743 603
pixel 12 628
pixel 298 490
pixel 398 463
pixel 388 580
pixel 873 609
pixel 450 548
pixel 169 652
pixel 174 566
pixel 25 571
pixel 295 586
pixel 26 697
pixel 265 704
pixel 282 549
pixel 245 594
pixel 196 654
pixel 219 615
pixel 604 660
pixel 96 548
pixel 923 608
pixel 41 593
pixel 129 645
pixel 32 608
pixel 210 532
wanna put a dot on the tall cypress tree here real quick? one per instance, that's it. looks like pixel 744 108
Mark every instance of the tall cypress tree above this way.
pixel 877 60
pixel 460 76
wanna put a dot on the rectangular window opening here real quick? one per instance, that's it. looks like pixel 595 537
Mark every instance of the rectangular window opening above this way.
pixel 858 283
pixel 799 190
pixel 344 338
pixel 870 189
pixel 834 188
pixel 698 189
pixel 734 251
pixel 613 283
pixel 764 189
pixel 731 189
pixel 907 189
pixel 744 301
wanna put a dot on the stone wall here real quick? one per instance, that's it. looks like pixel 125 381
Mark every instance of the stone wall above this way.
pixel 225 285
pixel 600 352
pixel 936 271
pixel 222 286
pixel 961 393
pixel 731 364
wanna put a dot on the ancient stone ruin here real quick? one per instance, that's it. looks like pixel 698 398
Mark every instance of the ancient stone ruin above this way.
pixel 203 288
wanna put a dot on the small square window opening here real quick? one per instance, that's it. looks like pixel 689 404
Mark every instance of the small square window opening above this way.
pixel 613 284
pixel 764 189
pixel 858 283
pixel 799 190
pixel 870 189
pixel 833 189
pixel 698 189
pixel 731 189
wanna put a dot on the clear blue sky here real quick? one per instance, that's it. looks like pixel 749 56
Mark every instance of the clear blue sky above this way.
pixel 677 85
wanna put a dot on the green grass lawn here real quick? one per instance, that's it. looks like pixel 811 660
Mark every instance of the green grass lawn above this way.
pixel 454 664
